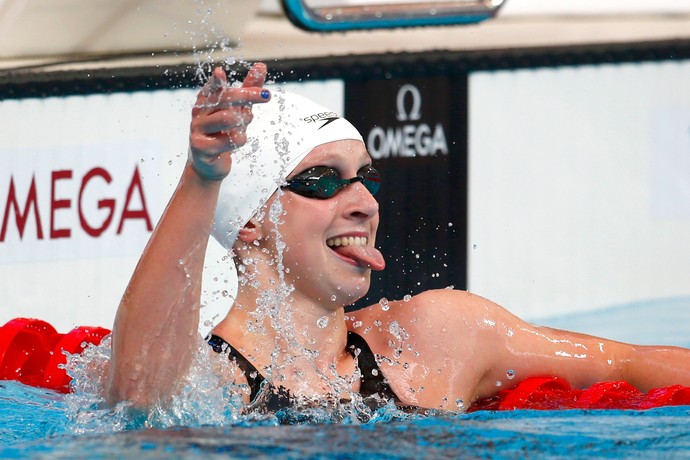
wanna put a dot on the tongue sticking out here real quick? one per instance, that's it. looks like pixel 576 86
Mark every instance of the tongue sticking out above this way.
pixel 366 256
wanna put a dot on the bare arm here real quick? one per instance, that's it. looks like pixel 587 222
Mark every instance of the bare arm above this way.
pixel 448 348
pixel 526 350
pixel 156 325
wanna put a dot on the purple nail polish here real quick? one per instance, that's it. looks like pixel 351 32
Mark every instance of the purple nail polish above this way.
pixel 265 93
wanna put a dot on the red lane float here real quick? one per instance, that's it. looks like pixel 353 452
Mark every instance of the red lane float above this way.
pixel 552 393
pixel 31 351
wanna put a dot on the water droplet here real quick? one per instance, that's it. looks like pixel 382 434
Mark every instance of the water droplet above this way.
pixel 384 304
pixel 407 297
pixel 459 403
pixel 357 324
pixel 510 375
pixel 498 383
pixel 374 372
pixel 322 322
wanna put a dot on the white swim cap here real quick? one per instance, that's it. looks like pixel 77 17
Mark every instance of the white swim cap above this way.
pixel 283 132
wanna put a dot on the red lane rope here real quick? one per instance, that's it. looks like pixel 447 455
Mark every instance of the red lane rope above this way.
pixel 32 352
pixel 551 393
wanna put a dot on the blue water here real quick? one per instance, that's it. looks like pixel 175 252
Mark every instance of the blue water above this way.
pixel 35 426
pixel 651 322
pixel 36 423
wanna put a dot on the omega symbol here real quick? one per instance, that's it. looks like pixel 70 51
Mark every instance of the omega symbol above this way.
pixel 415 110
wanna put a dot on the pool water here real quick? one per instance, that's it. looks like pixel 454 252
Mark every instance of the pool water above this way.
pixel 35 425
pixel 38 423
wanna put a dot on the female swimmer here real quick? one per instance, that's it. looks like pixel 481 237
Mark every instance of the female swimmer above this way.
pixel 291 194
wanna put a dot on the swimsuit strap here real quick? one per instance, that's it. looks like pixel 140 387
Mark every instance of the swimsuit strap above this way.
pixel 254 377
pixel 372 380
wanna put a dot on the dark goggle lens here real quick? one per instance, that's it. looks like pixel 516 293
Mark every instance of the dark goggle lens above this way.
pixel 322 182
pixel 371 179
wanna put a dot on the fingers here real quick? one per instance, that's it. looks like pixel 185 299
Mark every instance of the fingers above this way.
pixel 228 98
pixel 225 120
pixel 220 118
pixel 256 75
pixel 218 95
pixel 217 143
pixel 216 82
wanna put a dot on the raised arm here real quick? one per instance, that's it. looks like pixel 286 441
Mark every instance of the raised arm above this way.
pixel 156 325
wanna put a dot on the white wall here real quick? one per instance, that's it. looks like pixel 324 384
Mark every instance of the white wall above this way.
pixel 580 186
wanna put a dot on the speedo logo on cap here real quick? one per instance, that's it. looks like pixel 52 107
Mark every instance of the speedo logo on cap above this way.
pixel 325 117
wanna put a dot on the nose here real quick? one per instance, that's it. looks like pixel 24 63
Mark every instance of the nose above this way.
pixel 360 203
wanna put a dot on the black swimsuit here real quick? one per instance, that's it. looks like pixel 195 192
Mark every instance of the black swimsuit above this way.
pixel 372 381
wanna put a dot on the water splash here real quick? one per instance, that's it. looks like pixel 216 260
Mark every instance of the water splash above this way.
pixel 218 47
pixel 204 397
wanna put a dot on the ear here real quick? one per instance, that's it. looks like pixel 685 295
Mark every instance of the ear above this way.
pixel 251 232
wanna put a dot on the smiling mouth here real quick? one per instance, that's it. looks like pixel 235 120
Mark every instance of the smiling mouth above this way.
pixel 346 241
pixel 356 251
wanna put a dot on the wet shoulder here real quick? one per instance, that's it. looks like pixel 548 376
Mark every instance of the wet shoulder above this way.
pixel 428 310
pixel 423 343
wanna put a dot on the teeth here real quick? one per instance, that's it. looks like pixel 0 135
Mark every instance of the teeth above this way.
pixel 347 241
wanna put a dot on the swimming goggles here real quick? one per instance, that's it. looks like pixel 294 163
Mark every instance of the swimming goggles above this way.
pixel 323 182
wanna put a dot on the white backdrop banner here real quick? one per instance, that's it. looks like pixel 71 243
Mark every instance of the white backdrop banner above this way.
pixel 580 186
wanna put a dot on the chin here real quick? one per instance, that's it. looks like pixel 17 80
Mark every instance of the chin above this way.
pixel 353 291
